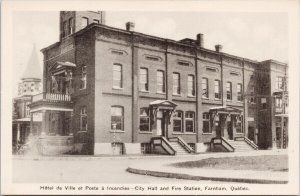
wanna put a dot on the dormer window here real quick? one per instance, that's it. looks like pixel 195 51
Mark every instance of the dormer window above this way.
pixel 71 23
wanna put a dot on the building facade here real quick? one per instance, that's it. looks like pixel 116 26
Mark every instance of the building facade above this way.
pixel 29 85
pixel 120 91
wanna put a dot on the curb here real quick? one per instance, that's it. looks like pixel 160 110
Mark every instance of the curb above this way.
pixel 198 178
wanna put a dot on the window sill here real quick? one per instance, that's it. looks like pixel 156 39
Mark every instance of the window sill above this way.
pixel 239 133
pixel 239 101
pixel 145 132
pixel 207 133
pixel 184 133
pixel 206 98
pixel 216 99
pixel 177 95
pixel 144 91
pixel 228 100
pixel 81 131
pixel 191 96
pixel 161 93
pixel 112 131
pixel 82 89
pixel 117 88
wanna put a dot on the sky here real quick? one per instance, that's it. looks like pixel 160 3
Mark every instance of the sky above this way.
pixel 258 36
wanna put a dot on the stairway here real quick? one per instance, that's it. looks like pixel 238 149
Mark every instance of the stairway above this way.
pixel 240 146
pixel 180 150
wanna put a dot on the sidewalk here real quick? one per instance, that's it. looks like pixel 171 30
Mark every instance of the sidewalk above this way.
pixel 162 169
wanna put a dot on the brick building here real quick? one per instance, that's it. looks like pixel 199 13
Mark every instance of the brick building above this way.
pixel 120 91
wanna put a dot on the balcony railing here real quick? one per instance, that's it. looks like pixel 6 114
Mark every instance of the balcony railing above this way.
pixel 51 97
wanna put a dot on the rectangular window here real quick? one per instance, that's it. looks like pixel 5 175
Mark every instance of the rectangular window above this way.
pixel 189 121
pixel 83 119
pixel 117 76
pixel 278 102
pixel 204 85
pixel 83 78
pixel 84 22
pixel 177 121
pixel 217 89
pixel 143 79
pixel 144 120
pixel 65 28
pixel 206 123
pixel 27 109
pixel 71 23
pixel 117 116
pixel 191 85
pixel 238 125
pixel 239 92
pixel 228 91
pixel 279 83
pixel 263 102
pixel 160 77
pixel 176 83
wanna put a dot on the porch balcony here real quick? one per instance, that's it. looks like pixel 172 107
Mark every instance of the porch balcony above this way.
pixel 45 100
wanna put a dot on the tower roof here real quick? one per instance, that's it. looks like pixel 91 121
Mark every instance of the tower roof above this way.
pixel 33 69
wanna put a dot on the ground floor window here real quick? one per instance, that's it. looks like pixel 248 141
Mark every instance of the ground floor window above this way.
pixel 189 121
pixel 192 145
pixel 83 119
pixel 117 116
pixel 206 123
pixel 145 148
pixel 117 148
pixel 144 120
pixel 177 121
pixel 238 125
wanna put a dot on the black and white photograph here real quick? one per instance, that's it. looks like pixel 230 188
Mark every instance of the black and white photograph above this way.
pixel 149 98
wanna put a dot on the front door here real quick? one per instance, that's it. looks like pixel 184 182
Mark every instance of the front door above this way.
pixel 159 127
pixel 230 130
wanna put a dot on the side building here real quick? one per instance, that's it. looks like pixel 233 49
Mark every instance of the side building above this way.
pixel 119 91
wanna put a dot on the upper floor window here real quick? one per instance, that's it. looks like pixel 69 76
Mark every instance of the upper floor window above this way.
pixel 279 83
pixel 228 91
pixel 84 22
pixel 239 92
pixel 83 78
pixel 160 79
pixel 263 102
pixel 189 121
pixel 144 79
pixel 83 119
pixel 204 85
pixel 176 83
pixel 217 89
pixel 117 76
pixel 206 123
pixel 144 119
pixel 71 23
pixel 252 96
pixel 65 28
pixel 191 85
pixel 278 102
pixel 177 121
pixel 117 118
pixel 27 109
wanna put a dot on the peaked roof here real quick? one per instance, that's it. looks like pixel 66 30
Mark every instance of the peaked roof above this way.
pixel 163 103
pixel 33 69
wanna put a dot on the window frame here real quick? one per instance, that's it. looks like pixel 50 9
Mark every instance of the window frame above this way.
pixel 122 119
pixel 239 120
pixel 83 78
pixel 206 86
pixel 120 82
pixel 186 119
pixel 145 117
pixel 176 118
pixel 177 88
pixel 217 84
pixel 158 85
pixel 191 88
pixel 144 85
pixel 206 118
pixel 87 22
pixel 83 114
pixel 71 22
pixel 239 94
pixel 229 91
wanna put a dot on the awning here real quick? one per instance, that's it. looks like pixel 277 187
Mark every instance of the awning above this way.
pixel 28 120
pixel 225 109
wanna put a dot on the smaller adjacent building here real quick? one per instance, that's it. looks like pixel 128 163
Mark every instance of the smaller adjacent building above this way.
pixel 29 85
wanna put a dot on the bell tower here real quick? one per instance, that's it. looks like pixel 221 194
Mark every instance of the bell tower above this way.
pixel 73 21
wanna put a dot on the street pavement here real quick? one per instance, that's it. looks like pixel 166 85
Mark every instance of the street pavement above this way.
pixel 97 169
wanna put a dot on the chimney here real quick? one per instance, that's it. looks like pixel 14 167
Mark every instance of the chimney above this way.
pixel 129 26
pixel 218 48
pixel 200 41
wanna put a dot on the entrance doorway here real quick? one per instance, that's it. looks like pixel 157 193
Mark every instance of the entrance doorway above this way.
pixel 160 123
pixel 230 129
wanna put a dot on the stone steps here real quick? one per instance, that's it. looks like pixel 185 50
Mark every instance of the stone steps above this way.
pixel 178 148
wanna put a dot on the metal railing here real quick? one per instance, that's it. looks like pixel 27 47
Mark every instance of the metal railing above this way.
pixel 222 141
pixel 51 97
pixel 164 143
pixel 182 143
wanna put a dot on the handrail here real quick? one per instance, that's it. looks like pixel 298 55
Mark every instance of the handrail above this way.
pixel 251 143
pixel 165 141
pixel 223 141
pixel 51 97
pixel 184 144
